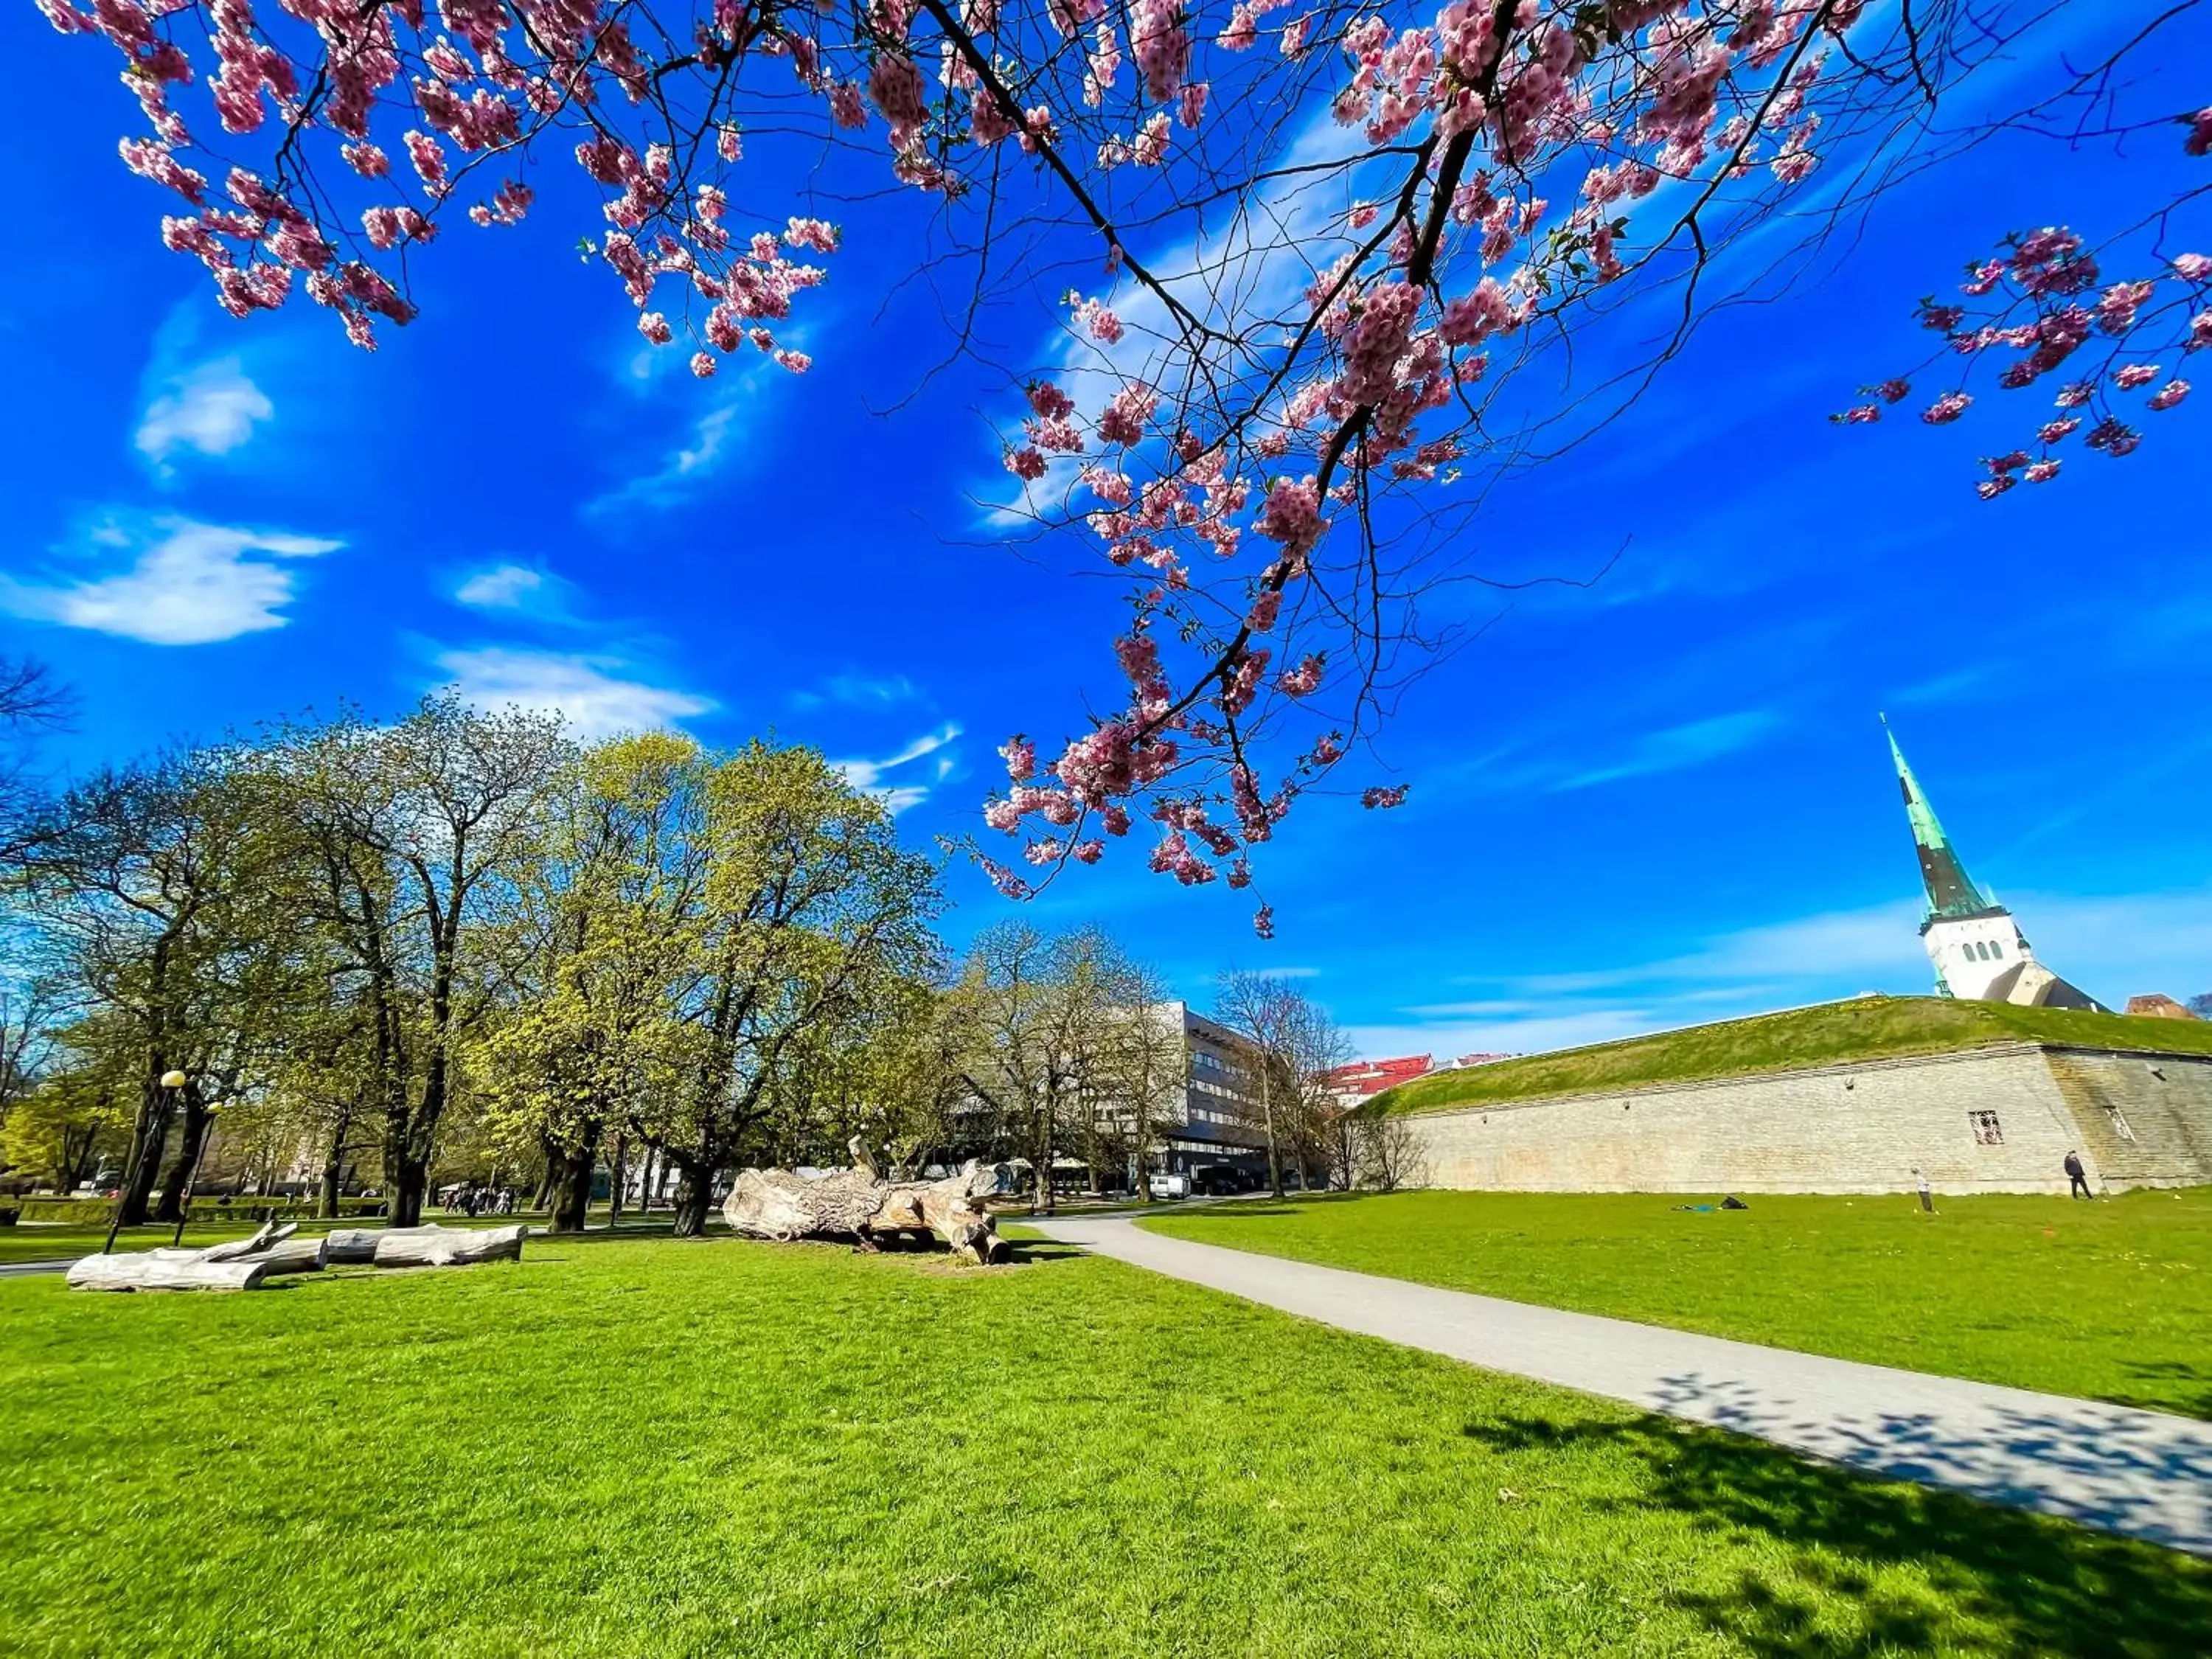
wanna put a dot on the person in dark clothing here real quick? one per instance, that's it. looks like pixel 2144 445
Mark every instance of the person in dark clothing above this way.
pixel 2080 1188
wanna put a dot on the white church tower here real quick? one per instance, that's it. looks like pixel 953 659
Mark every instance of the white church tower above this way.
pixel 1977 949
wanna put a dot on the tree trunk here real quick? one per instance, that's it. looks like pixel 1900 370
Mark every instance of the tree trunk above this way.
pixel 1041 1171
pixel 859 1203
pixel 144 1271
pixel 694 1187
pixel 171 1207
pixel 615 1183
pixel 644 1187
pixel 334 1163
pixel 424 1246
pixel 571 1170
pixel 147 1135
pixel 1267 1111
pixel 78 1146
pixel 292 1255
pixel 239 1265
pixel 548 1176
pixel 408 1181
pixel 449 1247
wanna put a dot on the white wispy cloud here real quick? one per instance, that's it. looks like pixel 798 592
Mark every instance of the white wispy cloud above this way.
pixel 1678 746
pixel 859 692
pixel 597 695
pixel 503 587
pixel 869 775
pixel 1944 688
pixel 187 582
pixel 212 408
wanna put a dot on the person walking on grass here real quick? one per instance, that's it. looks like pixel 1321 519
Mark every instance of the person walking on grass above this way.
pixel 2080 1182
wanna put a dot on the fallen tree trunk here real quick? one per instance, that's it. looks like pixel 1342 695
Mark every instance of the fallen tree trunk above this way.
pixel 290 1255
pixel 859 1204
pixel 144 1270
pixel 449 1247
pixel 239 1265
pixel 359 1246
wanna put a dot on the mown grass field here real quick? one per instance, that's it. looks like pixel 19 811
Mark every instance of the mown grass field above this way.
pixel 2107 1301
pixel 661 1447
pixel 1826 1034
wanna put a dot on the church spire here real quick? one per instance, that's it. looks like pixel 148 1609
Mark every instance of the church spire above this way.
pixel 1952 893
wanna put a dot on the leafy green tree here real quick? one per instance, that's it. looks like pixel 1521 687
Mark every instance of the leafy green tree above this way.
pixel 411 842
pixel 1050 1020
pixel 152 882
pixel 79 1111
pixel 605 925
pixel 811 916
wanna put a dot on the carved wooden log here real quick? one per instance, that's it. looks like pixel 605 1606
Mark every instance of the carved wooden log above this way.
pixel 953 1209
pixel 361 1245
pixel 449 1247
pixel 857 1203
pixel 356 1246
pixel 284 1255
pixel 778 1205
pixel 144 1270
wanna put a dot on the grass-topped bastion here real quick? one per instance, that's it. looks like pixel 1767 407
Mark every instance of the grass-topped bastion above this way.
pixel 1876 1094
pixel 1826 1034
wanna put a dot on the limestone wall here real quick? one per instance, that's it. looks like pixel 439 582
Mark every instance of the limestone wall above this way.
pixel 2147 1116
pixel 1855 1128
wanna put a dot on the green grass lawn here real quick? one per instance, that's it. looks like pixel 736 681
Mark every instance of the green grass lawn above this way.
pixel 1826 1033
pixel 2107 1301
pixel 725 1448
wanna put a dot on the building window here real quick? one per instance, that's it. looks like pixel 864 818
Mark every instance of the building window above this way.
pixel 1996 949
pixel 1984 1125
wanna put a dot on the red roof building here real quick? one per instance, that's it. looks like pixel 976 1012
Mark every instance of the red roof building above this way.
pixel 1364 1080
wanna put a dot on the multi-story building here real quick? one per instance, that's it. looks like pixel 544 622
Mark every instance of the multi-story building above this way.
pixel 1213 1113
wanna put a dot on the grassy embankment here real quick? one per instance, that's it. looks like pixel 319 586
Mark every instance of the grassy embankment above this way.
pixel 725 1448
pixel 2106 1301
pixel 1826 1033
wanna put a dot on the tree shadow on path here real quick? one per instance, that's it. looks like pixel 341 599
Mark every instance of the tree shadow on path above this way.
pixel 1983 1580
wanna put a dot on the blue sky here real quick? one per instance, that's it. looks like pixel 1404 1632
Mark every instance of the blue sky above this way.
pixel 1662 799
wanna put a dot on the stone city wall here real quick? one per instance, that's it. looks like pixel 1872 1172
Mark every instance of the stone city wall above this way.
pixel 2136 1119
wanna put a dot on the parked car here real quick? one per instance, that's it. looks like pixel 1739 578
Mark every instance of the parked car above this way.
pixel 1170 1185
pixel 1219 1180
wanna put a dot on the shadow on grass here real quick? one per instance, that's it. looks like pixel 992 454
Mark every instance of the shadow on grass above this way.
pixel 1997 1581
pixel 2194 1402
pixel 1024 1252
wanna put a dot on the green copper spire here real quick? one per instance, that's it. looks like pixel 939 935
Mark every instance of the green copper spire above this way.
pixel 1951 891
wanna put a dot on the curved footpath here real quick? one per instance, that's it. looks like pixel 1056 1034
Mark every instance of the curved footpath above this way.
pixel 2146 1474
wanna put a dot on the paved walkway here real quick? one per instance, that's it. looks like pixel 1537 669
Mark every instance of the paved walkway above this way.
pixel 2144 1474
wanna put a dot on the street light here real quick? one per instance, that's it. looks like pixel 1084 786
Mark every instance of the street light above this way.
pixel 172 1080
pixel 185 1207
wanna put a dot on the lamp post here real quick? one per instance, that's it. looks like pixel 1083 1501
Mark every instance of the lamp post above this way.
pixel 171 1081
pixel 192 1175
